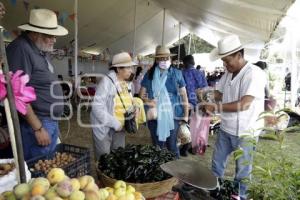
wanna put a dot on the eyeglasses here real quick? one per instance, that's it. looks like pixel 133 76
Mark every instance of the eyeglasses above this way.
pixel 162 58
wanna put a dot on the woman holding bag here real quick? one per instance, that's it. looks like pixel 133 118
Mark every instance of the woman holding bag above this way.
pixel 164 94
pixel 111 101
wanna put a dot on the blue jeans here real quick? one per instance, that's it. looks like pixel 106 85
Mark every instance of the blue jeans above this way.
pixel 31 148
pixel 225 145
pixel 171 142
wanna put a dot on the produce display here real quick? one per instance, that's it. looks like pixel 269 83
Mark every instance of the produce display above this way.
pixel 57 186
pixel 6 168
pixel 136 163
pixel 59 160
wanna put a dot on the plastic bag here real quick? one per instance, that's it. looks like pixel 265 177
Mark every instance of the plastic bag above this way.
pixel 184 134
pixel 199 127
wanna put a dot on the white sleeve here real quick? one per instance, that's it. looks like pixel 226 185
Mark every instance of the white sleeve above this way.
pixel 99 105
pixel 221 83
pixel 253 84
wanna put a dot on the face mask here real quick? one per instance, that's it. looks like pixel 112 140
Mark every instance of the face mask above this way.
pixel 164 64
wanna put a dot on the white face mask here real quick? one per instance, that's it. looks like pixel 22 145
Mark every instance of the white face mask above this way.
pixel 164 64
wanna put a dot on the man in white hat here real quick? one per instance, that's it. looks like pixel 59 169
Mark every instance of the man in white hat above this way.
pixel 29 52
pixel 240 100
pixel 107 115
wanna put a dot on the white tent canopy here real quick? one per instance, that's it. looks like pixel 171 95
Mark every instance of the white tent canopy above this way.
pixel 110 23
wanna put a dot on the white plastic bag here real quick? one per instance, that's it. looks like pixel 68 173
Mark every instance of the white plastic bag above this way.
pixel 184 134
pixel 8 181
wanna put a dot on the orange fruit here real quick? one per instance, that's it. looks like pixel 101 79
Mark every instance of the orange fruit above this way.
pixel 38 190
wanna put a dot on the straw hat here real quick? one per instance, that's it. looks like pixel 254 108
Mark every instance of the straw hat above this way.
pixel 162 51
pixel 44 21
pixel 226 46
pixel 122 60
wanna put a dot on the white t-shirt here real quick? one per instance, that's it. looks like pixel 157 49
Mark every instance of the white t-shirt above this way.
pixel 251 81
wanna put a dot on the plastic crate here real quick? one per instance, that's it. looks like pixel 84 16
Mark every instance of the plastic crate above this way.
pixel 81 166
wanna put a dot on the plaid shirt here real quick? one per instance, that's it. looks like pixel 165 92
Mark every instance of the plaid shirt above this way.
pixel 194 80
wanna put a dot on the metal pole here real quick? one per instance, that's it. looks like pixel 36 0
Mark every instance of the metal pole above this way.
pixel 13 120
pixel 190 42
pixel 179 35
pixel 294 68
pixel 134 32
pixel 76 44
pixel 163 28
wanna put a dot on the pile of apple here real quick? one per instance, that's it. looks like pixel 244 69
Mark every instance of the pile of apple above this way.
pixel 57 186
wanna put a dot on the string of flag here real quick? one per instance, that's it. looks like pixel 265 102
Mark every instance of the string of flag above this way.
pixel 62 16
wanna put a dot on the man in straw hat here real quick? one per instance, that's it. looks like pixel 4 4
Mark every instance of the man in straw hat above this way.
pixel 163 91
pixel 240 99
pixel 29 52
pixel 107 116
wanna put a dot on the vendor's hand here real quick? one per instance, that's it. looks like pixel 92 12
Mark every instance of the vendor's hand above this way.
pixel 184 120
pixel 42 137
pixel 208 108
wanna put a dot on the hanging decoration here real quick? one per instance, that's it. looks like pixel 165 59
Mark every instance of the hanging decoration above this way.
pixel 2 87
pixel 6 34
pixel 72 17
pixel 23 94
pixel 13 2
pixel 26 5
pixel 63 17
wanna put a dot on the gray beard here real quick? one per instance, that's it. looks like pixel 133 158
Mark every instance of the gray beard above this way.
pixel 42 47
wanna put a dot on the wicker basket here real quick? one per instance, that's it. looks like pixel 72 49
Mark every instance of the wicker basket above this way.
pixel 149 190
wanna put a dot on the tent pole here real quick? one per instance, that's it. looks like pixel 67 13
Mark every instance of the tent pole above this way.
pixel 76 44
pixel 190 42
pixel 13 118
pixel 294 68
pixel 134 32
pixel 193 41
pixel 163 28
pixel 179 35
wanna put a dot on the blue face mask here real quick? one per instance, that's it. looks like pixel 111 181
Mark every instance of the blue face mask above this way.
pixel 165 64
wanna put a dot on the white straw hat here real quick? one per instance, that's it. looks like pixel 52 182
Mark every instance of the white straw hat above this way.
pixel 122 60
pixel 226 46
pixel 43 21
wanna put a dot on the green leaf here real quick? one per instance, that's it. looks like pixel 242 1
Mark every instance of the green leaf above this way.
pixel 238 153
pixel 269 136
pixel 260 168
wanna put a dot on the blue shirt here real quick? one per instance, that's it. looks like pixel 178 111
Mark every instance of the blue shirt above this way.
pixel 194 80
pixel 174 82
pixel 22 54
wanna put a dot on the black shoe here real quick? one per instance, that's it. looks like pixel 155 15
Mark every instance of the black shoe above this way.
pixel 183 150
pixel 190 150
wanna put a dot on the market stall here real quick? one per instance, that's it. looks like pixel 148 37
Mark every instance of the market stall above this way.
pixel 135 172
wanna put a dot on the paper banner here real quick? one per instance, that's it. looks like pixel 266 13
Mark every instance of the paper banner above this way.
pixel 26 5
pixel 72 17
pixel 13 2
pixel 63 17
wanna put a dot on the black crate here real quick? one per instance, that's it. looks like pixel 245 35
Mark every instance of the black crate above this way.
pixel 81 166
